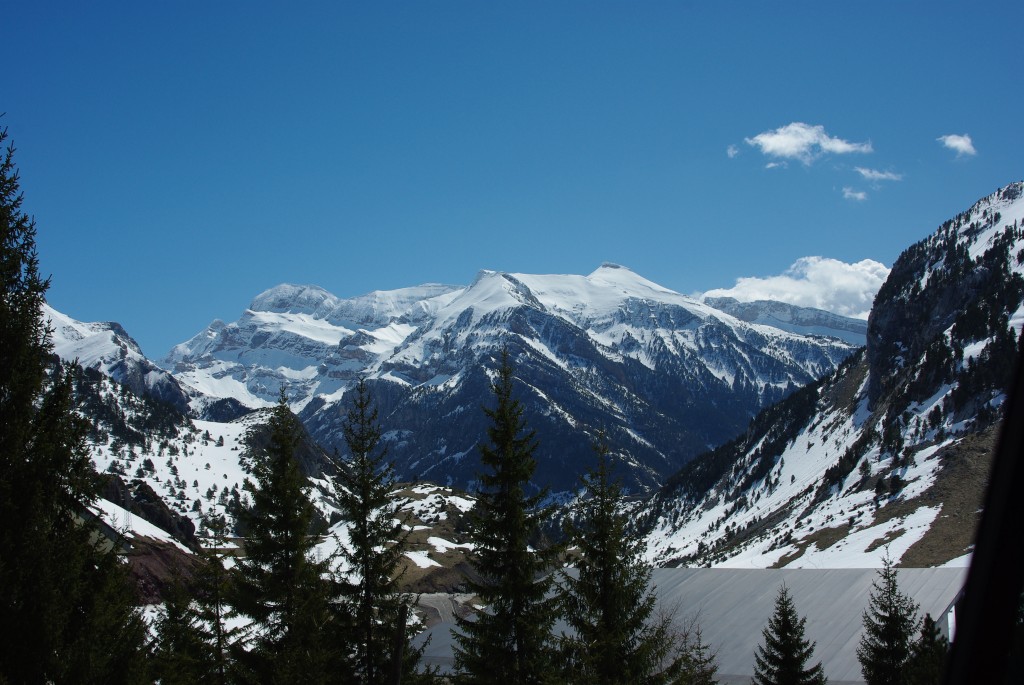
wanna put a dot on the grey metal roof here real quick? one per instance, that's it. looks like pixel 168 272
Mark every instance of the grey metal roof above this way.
pixel 733 606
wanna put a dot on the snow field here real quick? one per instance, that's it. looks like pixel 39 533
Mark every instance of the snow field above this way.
pixel 798 473
pixel 188 468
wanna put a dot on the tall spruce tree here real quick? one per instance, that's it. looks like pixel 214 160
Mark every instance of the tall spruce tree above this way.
pixel 67 609
pixel 377 543
pixel 213 589
pixel 184 650
pixel 279 585
pixel 927 655
pixel 782 658
pixel 608 602
pixel 510 641
pixel 698 664
pixel 890 622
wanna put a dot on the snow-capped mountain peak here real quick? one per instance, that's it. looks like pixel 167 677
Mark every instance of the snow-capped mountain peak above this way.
pixel 623 277
pixel 605 345
pixel 91 343
pixel 286 297
pixel 107 347
pixel 381 307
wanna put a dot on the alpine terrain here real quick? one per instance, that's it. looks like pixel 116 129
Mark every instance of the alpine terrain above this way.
pixel 664 375
pixel 889 453
pixel 883 448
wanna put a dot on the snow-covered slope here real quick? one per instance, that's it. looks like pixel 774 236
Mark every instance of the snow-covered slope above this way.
pixel 167 474
pixel 302 338
pixel 665 374
pixel 891 452
pixel 789 317
pixel 108 348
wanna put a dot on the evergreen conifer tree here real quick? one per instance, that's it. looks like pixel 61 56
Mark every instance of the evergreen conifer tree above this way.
pixel 279 585
pixel 697 664
pixel 927 655
pixel 184 648
pixel 510 641
pixel 67 609
pixel 782 659
pixel 377 542
pixel 889 625
pixel 608 603
pixel 213 589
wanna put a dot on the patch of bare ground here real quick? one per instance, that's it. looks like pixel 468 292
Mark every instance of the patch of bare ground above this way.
pixel 154 564
pixel 450 576
pixel 443 521
pixel 884 540
pixel 960 487
pixel 790 556
pixel 445 579
pixel 823 538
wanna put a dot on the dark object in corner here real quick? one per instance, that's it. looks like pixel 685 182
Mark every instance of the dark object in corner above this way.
pixel 987 617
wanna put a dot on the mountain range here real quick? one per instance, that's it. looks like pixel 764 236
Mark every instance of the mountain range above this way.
pixel 663 375
pixel 753 434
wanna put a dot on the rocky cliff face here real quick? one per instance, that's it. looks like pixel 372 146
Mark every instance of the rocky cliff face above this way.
pixel 788 317
pixel 963 283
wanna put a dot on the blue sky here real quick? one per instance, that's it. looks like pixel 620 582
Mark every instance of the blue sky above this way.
pixel 182 157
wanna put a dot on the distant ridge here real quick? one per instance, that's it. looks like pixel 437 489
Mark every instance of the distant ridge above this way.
pixel 664 373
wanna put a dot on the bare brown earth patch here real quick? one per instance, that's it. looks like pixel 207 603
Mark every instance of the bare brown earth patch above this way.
pixel 959 490
pixel 154 564
pixel 826 537
pixel 823 538
pixel 884 540
pixel 960 487
pixel 445 522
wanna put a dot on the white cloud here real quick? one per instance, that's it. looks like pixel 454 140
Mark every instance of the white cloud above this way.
pixel 820 282
pixel 775 165
pixel 961 144
pixel 851 194
pixel 875 175
pixel 804 142
pixel 732 151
